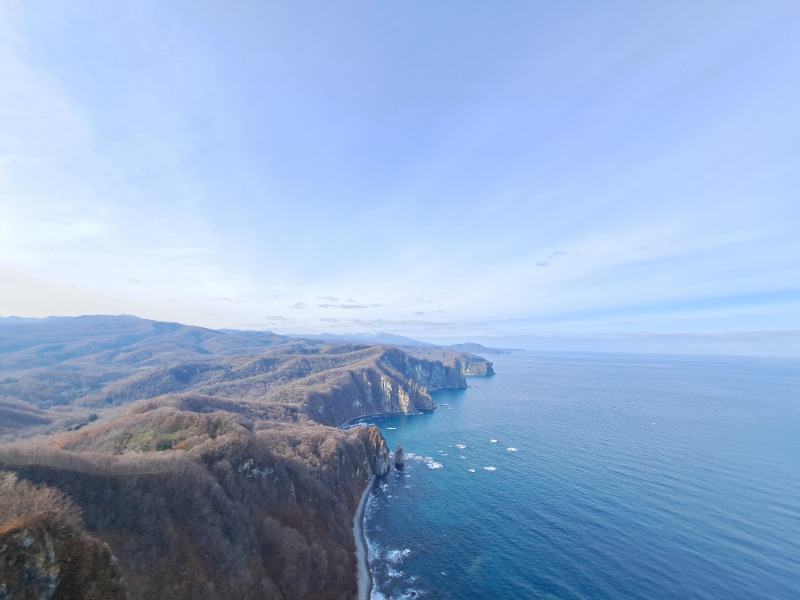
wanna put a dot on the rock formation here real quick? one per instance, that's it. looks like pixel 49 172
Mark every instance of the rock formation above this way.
pixel 471 367
pixel 399 458
pixel 44 550
pixel 461 362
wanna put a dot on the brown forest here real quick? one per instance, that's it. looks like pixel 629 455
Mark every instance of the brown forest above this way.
pixel 166 461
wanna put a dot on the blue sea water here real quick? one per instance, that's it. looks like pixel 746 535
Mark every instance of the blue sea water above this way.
pixel 597 476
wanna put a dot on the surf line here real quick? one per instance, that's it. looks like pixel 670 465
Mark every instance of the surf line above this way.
pixel 364 575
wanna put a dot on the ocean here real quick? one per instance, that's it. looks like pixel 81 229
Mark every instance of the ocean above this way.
pixel 576 476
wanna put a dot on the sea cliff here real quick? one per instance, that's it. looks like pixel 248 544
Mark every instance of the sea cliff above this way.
pixel 207 469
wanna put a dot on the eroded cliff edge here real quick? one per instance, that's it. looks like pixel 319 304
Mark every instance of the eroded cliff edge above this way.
pixel 215 473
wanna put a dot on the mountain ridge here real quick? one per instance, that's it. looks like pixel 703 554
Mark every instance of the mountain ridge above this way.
pixel 181 443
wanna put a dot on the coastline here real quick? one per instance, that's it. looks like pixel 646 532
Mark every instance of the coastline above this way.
pixel 355 421
pixel 363 574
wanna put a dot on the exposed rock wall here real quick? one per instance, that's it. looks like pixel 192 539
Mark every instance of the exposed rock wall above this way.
pixel 433 375
pixel 45 561
pixel 461 362
pixel 471 367
pixel 379 451
pixel 391 382
pixel 45 552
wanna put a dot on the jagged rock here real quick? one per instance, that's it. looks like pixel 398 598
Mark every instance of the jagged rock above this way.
pixel 42 559
pixel 381 457
pixel 475 366
pixel 399 458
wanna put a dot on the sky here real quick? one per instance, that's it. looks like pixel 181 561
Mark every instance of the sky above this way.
pixel 544 175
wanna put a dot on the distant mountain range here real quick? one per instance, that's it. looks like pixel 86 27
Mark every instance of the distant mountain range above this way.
pixel 392 339
pixel 368 338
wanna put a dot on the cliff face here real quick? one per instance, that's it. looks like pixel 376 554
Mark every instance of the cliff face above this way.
pixel 471 367
pixel 464 363
pixel 379 451
pixel 43 560
pixel 44 550
pixel 383 381
pixel 433 375
pixel 222 477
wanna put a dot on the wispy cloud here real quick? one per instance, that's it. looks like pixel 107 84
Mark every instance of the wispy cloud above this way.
pixel 642 188
pixel 344 306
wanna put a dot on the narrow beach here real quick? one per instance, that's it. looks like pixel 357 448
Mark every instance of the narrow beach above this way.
pixel 364 576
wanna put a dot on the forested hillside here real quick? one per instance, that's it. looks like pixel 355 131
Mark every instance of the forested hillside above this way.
pixel 206 462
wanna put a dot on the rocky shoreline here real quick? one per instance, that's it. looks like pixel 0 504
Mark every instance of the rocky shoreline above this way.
pixel 362 553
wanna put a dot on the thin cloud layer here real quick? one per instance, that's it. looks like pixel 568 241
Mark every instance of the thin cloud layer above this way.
pixel 520 170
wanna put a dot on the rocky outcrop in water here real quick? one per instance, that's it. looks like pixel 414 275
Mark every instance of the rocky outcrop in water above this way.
pixel 399 458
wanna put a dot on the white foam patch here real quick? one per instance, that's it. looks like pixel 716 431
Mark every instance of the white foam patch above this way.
pixel 460 446
pixel 397 556
pixel 373 550
pixel 512 449
pixel 373 503
pixel 471 470
pixel 426 460
pixel 490 468
pixel 391 428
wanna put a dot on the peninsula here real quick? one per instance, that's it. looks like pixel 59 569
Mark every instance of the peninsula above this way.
pixel 162 460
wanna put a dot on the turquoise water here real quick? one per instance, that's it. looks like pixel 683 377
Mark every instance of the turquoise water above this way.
pixel 611 477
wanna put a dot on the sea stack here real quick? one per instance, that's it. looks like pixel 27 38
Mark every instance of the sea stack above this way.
pixel 399 458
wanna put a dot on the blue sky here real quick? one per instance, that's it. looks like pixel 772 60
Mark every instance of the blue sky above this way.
pixel 536 174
